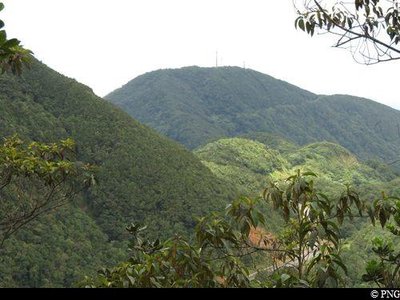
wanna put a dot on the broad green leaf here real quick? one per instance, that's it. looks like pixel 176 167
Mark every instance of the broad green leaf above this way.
pixel 301 24
pixel 11 43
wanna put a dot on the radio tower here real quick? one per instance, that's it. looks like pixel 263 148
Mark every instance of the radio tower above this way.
pixel 216 59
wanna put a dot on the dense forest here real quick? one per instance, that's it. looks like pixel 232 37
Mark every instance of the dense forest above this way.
pixel 142 177
pixel 271 130
pixel 247 163
pixel 199 205
pixel 180 196
pixel 240 180
pixel 250 162
pixel 196 105
pixel 271 186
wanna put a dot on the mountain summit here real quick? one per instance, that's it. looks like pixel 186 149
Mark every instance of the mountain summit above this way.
pixel 196 105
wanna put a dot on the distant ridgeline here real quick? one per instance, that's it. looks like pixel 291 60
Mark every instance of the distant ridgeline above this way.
pixel 147 178
pixel 197 105
pixel 142 177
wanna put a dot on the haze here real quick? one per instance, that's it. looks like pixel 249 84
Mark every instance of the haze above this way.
pixel 104 44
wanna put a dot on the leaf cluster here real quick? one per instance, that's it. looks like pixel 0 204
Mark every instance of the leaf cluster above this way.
pixel 12 55
pixel 372 23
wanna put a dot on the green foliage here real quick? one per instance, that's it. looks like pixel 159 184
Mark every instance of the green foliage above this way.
pixel 273 141
pixel 385 270
pixel 246 164
pixel 242 162
pixel 336 165
pixel 142 177
pixel 211 260
pixel 195 106
pixel 374 25
pixel 57 250
pixel 12 55
pixel 223 251
pixel 311 239
pixel 233 160
pixel 35 179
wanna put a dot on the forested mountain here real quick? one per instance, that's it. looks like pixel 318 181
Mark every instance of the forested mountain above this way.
pixel 197 105
pixel 142 177
pixel 249 164
pixel 235 179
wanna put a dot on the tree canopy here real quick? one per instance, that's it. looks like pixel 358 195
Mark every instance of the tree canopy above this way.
pixel 369 29
pixel 35 179
pixel 195 106
pixel 306 254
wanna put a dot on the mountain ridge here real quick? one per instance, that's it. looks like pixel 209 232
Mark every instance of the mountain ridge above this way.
pixel 142 177
pixel 195 106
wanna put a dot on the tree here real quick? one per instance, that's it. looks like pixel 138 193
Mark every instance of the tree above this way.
pixel 12 55
pixel 370 29
pixel 211 260
pixel 385 271
pixel 311 239
pixel 36 178
pixel 223 251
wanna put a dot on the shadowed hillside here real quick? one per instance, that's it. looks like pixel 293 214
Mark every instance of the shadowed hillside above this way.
pixel 142 177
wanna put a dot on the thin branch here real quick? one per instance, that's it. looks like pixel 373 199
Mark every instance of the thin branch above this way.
pixel 340 44
pixel 359 35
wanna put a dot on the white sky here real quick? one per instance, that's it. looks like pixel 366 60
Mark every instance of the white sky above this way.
pixel 104 44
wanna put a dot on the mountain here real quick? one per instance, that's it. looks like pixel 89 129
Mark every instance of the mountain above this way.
pixel 242 162
pixel 57 250
pixel 248 163
pixel 142 176
pixel 196 105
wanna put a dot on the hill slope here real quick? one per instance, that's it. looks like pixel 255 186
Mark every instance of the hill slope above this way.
pixel 141 173
pixel 142 176
pixel 197 105
pixel 247 163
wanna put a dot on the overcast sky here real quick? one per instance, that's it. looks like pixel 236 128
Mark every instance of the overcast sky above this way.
pixel 104 44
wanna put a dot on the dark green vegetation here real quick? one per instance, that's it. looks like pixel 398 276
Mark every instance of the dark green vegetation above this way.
pixel 56 250
pixel 247 163
pixel 145 178
pixel 141 176
pixel 307 252
pixel 197 105
pixel 53 229
pixel 250 164
pixel 35 179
